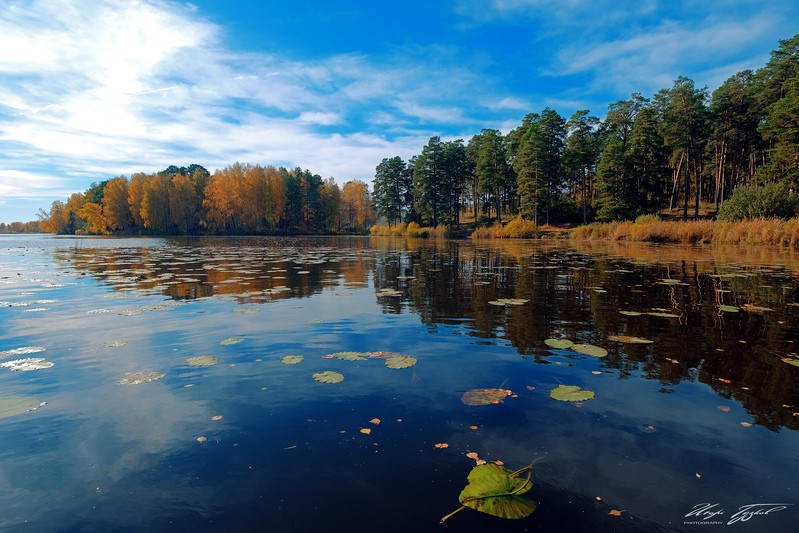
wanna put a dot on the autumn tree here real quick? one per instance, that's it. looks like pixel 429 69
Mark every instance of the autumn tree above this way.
pixel 116 209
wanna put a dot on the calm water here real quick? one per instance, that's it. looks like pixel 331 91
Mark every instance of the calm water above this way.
pixel 707 413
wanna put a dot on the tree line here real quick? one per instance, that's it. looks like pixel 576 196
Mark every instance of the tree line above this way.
pixel 680 149
pixel 238 199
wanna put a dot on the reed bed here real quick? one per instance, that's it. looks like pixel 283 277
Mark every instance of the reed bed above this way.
pixel 412 229
pixel 518 228
pixel 761 231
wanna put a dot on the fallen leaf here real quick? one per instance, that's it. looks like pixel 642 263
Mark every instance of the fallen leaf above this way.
pixel 530 387
pixel 290 447
pixel 599 498
pixel 472 455
pixel 615 512
pixel 724 408
pixel 473 428
pixel 366 431
pixel 481 462
pixel 746 424
pixel 216 417
pixel 201 439
pixel 499 463
pixel 375 421
pixel 724 380
pixel 698 476
pixel 441 445
pixel 596 372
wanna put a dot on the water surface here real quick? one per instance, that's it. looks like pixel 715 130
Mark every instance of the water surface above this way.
pixel 706 413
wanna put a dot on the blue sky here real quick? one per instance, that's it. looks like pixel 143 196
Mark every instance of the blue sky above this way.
pixel 94 89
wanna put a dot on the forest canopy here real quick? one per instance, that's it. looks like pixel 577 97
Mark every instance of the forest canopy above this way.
pixel 679 149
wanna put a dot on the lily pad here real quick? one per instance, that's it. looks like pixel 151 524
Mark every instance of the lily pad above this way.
pixel 27 364
pixel 496 491
pixel 137 378
pixel 729 308
pixel 349 356
pixel 17 405
pixel 202 360
pixel 662 314
pixel 291 359
pixel 570 393
pixel 329 376
pixel 627 339
pixel 508 302
pixel 590 349
pixel 484 396
pixel 559 344
pixel 231 340
pixel 630 313
pixel 400 361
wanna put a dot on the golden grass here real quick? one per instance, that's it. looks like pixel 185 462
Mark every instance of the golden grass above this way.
pixel 518 228
pixel 763 231
pixel 409 230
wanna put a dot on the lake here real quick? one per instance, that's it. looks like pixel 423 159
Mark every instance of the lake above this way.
pixel 690 353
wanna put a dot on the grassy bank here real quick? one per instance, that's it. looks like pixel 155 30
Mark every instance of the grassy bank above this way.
pixel 413 230
pixel 518 228
pixel 767 231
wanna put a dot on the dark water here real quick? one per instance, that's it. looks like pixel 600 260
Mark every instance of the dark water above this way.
pixel 707 413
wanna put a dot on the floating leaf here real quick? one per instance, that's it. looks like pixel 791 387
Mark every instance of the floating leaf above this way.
pixel 498 492
pixel 626 339
pixel 630 313
pixel 375 421
pixel 441 445
pixel 508 302
pixel 484 396
pixel 291 359
pixel 231 340
pixel 663 314
pixel 590 349
pixel 615 512
pixel 216 418
pixel 559 344
pixel 17 405
pixel 27 364
pixel 570 393
pixel 791 361
pixel 365 431
pixel 388 293
pixel 137 378
pixel 729 308
pixel 400 361
pixel 201 439
pixel 329 376
pixel 25 350
pixel 348 356
pixel 202 360
pixel 756 308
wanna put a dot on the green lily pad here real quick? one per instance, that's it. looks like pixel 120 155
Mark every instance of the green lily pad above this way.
pixel 202 360
pixel 729 308
pixel 498 492
pixel 484 396
pixel 627 339
pixel 663 315
pixel 329 376
pixel 400 361
pixel 570 393
pixel 231 340
pixel 292 359
pixel 17 405
pixel 137 378
pixel 348 356
pixel 559 344
pixel 630 313
pixel 590 349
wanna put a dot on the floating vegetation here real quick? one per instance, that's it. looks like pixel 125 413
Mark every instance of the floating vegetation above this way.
pixel 729 308
pixel 231 340
pixel 663 314
pixel 246 310
pixel 630 313
pixel 756 308
pixel 115 344
pixel 627 339
pixel 292 359
pixel 25 365
pixel 344 293
pixel 137 378
pixel 496 491
pixel 509 302
pixel 202 360
pixel 25 350
pixel 329 376
pixel 559 344
pixel 98 311
pixel 347 356
pixel 589 349
pixel 570 393
pixel 485 396
pixel 792 359
pixel 400 361
pixel 17 405
pixel 388 293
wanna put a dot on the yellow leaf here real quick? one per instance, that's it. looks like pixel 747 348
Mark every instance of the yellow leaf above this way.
pixel 366 431
pixel 375 421
pixel 201 439
pixel 216 417
pixel 615 512
pixel 724 408
pixel 441 445
pixel 746 424
pixel 473 428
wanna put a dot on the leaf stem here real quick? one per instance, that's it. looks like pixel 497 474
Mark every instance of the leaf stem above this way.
pixel 459 509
